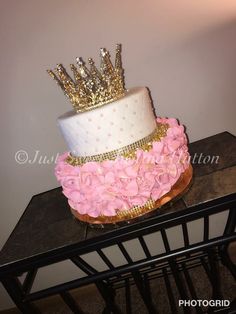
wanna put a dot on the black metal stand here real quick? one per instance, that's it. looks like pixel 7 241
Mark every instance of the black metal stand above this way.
pixel 14 289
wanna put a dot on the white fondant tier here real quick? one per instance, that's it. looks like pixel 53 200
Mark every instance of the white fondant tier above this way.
pixel 111 126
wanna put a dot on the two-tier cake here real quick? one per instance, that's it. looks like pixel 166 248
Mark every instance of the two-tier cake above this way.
pixel 123 161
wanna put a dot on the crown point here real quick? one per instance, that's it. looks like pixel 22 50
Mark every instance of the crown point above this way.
pixel 79 61
pixel 73 67
pixel 51 74
pixel 103 52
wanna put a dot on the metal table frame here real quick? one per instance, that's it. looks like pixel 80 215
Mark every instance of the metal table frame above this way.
pixel 206 252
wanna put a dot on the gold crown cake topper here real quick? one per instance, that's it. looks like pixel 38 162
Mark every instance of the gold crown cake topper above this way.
pixel 92 88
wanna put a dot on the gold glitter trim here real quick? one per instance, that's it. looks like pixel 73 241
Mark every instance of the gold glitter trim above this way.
pixel 178 189
pixel 128 151
pixel 136 210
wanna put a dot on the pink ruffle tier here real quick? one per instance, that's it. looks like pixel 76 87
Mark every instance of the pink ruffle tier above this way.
pixel 103 188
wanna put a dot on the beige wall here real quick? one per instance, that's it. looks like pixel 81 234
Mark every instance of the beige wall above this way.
pixel 184 51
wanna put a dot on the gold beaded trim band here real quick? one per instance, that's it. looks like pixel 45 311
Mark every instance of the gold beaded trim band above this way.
pixel 128 151
pixel 133 212
pixel 136 210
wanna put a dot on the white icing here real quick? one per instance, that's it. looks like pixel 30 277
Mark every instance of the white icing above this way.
pixel 111 126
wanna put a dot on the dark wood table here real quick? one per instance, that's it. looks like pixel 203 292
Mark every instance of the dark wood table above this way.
pixel 47 233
